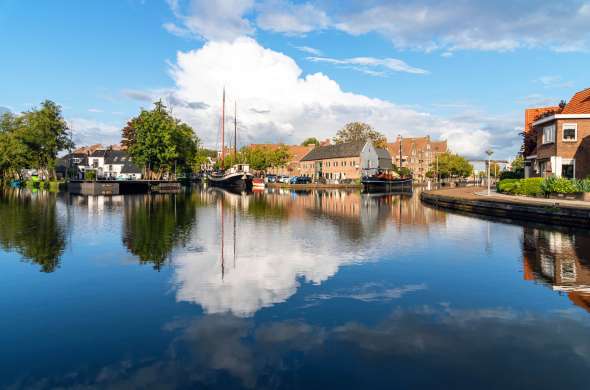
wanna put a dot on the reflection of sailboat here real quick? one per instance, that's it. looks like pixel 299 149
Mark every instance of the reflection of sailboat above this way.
pixel 223 239
pixel 239 175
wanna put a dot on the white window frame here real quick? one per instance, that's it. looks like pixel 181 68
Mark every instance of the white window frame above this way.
pixel 569 126
pixel 566 161
pixel 545 138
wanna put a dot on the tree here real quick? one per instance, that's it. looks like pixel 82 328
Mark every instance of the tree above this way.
pixel 159 143
pixel 310 141
pixel 452 165
pixel 359 131
pixel 260 158
pixel 45 133
pixel 33 139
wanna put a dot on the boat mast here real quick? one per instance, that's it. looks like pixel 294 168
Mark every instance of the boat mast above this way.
pixel 223 127
pixel 235 130
pixel 400 152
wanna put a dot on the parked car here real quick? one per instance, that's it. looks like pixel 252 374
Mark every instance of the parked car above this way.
pixel 271 178
pixel 300 180
pixel 284 179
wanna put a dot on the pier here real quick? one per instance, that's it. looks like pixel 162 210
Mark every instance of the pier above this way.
pixel 122 187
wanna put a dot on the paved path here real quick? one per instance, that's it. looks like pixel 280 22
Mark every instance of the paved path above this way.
pixel 481 194
pixel 538 210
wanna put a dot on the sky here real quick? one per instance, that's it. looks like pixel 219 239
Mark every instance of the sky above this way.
pixel 458 70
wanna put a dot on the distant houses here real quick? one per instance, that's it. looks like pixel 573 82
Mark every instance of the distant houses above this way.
pixel 557 139
pixel 106 162
pixel 346 161
pixel 418 154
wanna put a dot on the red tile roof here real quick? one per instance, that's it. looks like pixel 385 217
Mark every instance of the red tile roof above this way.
pixel 532 114
pixel 579 104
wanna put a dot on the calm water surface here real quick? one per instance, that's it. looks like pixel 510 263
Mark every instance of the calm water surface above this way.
pixel 285 290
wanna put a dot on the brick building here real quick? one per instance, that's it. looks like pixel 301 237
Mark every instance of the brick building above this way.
pixel 344 161
pixel 418 154
pixel 559 140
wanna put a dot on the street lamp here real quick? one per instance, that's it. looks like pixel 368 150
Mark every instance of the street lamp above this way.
pixel 489 152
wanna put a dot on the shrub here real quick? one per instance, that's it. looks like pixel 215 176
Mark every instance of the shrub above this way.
pixel 508 185
pixel 582 185
pixel 89 175
pixel 558 185
pixel 530 187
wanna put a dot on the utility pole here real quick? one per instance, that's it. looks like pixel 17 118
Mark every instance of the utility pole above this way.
pixel 489 152
pixel 400 154
pixel 437 179
pixel 235 131
pixel 223 128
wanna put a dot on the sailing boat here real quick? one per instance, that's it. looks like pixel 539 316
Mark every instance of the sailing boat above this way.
pixel 238 176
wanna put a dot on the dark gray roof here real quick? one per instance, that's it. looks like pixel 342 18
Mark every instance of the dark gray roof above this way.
pixel 350 149
pixel 383 153
pixel 116 157
pixel 130 167
pixel 99 153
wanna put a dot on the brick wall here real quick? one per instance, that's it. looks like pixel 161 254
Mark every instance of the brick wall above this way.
pixel 336 168
pixel 579 150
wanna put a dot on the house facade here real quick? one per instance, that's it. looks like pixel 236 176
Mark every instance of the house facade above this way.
pixel 107 163
pixel 347 161
pixel 561 138
pixel 417 154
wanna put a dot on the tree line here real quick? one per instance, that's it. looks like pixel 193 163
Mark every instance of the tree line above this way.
pixel 159 144
pixel 32 140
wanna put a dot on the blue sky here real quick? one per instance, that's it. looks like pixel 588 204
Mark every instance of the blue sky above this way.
pixel 461 70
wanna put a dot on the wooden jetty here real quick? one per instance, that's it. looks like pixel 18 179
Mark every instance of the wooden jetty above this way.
pixel 122 187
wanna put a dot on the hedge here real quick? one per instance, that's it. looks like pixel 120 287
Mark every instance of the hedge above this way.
pixel 538 186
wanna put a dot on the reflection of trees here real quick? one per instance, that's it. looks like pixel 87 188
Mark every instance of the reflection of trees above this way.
pixel 30 225
pixel 155 224
pixel 560 259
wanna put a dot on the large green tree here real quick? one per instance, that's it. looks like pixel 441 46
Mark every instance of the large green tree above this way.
pixel 261 158
pixel 33 139
pixel 159 143
pixel 359 131
pixel 450 165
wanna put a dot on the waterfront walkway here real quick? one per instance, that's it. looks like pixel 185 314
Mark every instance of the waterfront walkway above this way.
pixel 476 200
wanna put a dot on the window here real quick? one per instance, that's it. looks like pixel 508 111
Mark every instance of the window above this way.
pixel 570 132
pixel 549 134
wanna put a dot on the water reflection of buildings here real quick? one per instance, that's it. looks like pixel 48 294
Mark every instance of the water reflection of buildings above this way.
pixel 560 260
pixel 259 248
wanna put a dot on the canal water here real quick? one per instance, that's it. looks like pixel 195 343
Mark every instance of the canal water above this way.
pixel 285 289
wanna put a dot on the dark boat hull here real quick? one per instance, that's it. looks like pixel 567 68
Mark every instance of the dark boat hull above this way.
pixel 238 181
pixel 387 185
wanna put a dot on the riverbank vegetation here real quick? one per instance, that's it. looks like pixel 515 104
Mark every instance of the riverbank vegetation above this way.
pixel 159 143
pixel 450 165
pixel 537 186
pixel 259 157
pixel 32 140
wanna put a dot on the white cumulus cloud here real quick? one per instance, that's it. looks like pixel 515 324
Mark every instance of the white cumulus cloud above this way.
pixel 88 132
pixel 278 103
pixel 219 19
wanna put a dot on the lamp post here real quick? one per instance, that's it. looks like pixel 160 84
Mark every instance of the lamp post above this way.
pixel 489 152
